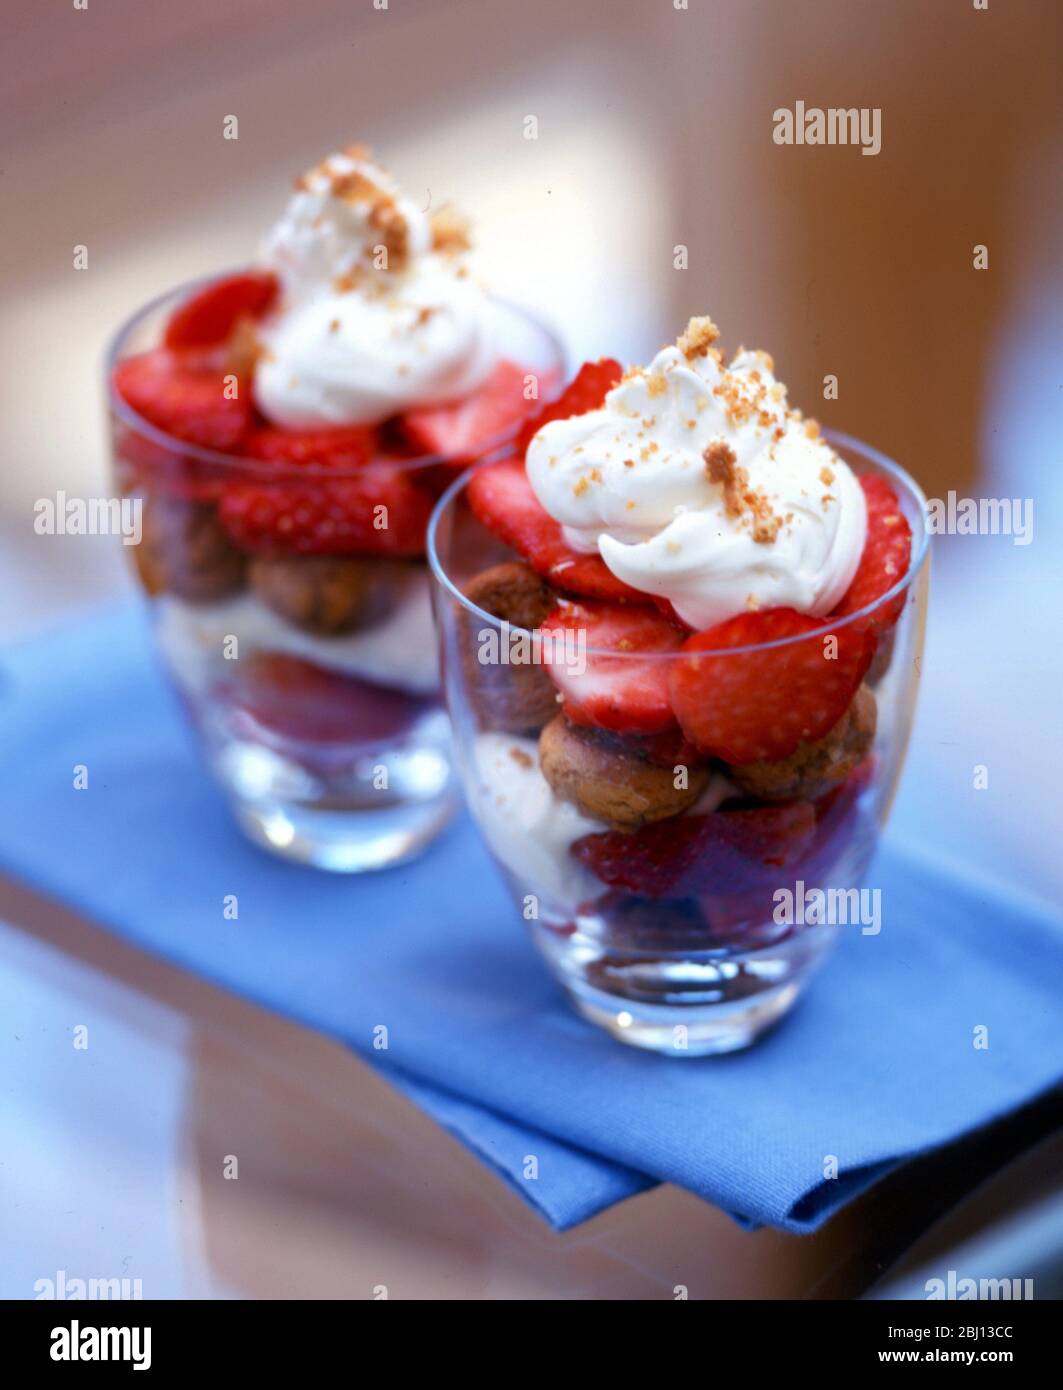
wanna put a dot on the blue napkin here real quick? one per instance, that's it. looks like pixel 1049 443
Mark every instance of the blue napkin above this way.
pixel 877 1064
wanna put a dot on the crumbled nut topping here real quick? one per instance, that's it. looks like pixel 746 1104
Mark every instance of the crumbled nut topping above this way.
pixel 699 336
pixel 344 284
pixel 388 221
pixel 450 232
pixel 739 499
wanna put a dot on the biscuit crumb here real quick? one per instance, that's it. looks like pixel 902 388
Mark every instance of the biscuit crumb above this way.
pixel 698 337
pixel 656 385
pixel 450 231
pixel 826 477
pixel 344 284
pixel 521 758
pixel 739 498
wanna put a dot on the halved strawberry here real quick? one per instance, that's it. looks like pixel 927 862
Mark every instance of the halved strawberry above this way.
pixel 208 318
pixel 885 558
pixel 351 446
pixel 586 391
pixel 501 497
pixel 464 430
pixel 187 402
pixel 380 510
pixel 298 700
pixel 626 693
pixel 744 706
pixel 724 852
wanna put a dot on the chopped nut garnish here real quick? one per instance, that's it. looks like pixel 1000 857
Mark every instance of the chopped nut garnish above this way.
pixel 739 498
pixel 699 336
pixel 450 231
pixel 355 187
pixel 386 219
pixel 344 284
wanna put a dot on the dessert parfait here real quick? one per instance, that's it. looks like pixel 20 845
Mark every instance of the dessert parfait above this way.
pixel 287 430
pixel 681 630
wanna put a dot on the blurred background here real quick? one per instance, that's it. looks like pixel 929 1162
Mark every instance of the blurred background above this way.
pixel 654 131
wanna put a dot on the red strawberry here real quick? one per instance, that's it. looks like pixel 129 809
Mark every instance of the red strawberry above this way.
pixel 350 447
pixel 623 693
pixel 318 516
pixel 886 555
pixel 501 497
pixel 187 402
pixel 586 391
pixel 725 852
pixel 301 701
pixel 744 706
pixel 208 318
pixel 468 428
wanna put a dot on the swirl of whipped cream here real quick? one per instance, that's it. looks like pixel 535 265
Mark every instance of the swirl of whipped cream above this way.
pixel 695 482
pixel 377 314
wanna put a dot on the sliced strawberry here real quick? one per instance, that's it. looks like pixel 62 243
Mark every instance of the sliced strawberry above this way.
pixel 586 391
pixel 187 402
pixel 298 700
pixel 465 430
pixel 744 706
pixel 886 555
pixel 725 852
pixel 502 498
pixel 352 446
pixel 625 693
pixel 209 317
pixel 325 517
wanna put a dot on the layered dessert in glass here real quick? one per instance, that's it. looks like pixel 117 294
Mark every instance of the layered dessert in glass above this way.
pixel 681 628
pixel 286 430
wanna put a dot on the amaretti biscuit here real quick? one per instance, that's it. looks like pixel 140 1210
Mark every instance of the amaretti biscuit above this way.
pixel 513 697
pixel 328 594
pixel 184 551
pixel 813 768
pixel 609 784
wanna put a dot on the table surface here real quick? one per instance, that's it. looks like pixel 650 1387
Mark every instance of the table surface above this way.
pixel 115 1155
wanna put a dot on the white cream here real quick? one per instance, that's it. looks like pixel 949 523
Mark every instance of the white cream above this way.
pixel 630 481
pixel 399 652
pixel 526 826
pixel 532 831
pixel 353 342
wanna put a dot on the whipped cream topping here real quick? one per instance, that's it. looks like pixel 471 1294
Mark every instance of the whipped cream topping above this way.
pixel 696 482
pixel 377 311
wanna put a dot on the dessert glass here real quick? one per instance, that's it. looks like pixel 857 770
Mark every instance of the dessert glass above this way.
pixel 683 971
pixel 332 746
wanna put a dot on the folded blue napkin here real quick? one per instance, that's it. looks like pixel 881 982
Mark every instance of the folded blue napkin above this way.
pixel 876 1065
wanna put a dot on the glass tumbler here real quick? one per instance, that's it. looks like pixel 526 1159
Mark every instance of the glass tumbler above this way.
pixel 312 679
pixel 695 933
